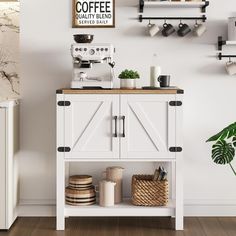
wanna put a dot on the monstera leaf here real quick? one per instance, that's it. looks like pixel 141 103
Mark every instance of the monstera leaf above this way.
pixel 227 132
pixel 222 152
pixel 234 141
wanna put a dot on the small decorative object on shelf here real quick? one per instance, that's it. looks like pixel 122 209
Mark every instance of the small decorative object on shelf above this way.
pixel 106 193
pixel 80 191
pixel 115 174
pixel 149 192
pixel 128 79
pixel 160 174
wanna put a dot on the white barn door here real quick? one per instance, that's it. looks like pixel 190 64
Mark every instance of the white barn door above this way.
pixel 90 126
pixel 149 126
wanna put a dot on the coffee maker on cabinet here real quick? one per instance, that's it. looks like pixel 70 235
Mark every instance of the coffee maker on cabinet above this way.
pixel 93 66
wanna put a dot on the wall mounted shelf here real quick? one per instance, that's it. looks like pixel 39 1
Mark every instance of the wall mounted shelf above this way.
pixel 220 56
pixel 222 42
pixel 141 18
pixel 167 4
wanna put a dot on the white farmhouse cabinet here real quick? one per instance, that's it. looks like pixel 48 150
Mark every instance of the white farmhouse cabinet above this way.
pixel 122 126
pixel 9 145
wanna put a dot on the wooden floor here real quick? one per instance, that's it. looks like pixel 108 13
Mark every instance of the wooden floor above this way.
pixel 123 227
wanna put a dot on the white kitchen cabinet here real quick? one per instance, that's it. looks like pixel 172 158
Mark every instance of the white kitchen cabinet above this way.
pixel 9 146
pixel 121 126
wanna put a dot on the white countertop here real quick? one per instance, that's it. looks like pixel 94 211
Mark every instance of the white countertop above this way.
pixel 9 103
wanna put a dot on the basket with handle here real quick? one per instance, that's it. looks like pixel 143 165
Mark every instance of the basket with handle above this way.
pixel 146 192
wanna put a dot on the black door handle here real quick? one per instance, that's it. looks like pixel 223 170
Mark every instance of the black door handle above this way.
pixel 115 118
pixel 123 118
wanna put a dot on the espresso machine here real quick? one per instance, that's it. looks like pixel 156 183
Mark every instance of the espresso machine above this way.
pixel 93 66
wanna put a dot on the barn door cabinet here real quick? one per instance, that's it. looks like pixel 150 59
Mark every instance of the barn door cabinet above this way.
pixel 124 126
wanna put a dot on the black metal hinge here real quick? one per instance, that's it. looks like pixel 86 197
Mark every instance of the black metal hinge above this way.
pixel 175 103
pixel 64 103
pixel 63 149
pixel 175 149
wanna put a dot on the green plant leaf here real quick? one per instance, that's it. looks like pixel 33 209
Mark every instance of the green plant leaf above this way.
pixel 129 74
pixel 234 141
pixel 222 152
pixel 227 132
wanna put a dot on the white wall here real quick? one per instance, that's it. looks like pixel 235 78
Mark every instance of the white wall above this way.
pixel 46 35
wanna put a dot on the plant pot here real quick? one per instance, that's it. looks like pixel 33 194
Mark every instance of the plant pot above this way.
pixel 128 83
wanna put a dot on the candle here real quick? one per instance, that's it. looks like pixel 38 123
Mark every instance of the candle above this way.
pixel 155 72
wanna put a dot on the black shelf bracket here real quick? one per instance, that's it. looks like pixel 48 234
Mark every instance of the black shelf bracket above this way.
pixel 220 56
pixel 221 43
pixel 141 6
pixel 141 18
pixel 207 3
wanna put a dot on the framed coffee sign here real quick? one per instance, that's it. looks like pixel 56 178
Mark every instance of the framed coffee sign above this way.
pixel 93 13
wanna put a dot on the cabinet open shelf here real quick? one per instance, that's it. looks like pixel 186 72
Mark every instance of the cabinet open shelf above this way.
pixel 126 208
pixel 168 4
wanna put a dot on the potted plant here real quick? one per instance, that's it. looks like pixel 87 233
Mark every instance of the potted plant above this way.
pixel 223 150
pixel 128 79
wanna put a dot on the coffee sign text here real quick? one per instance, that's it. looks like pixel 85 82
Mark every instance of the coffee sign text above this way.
pixel 93 13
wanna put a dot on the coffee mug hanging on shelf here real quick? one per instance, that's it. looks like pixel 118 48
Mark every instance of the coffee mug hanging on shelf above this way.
pixel 168 29
pixel 153 29
pixel 183 30
pixel 230 67
pixel 199 29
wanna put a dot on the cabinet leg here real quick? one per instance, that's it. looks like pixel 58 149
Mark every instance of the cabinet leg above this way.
pixel 60 194
pixel 179 212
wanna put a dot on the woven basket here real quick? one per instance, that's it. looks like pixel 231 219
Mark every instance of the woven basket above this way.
pixel 146 192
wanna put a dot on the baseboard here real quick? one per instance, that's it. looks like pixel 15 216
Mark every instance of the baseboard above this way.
pixel 210 207
pixel 37 208
pixel 193 207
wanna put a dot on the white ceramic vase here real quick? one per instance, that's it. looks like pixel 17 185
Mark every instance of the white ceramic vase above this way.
pixel 128 83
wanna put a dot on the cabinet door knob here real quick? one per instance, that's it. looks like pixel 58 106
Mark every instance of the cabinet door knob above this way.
pixel 115 118
pixel 123 118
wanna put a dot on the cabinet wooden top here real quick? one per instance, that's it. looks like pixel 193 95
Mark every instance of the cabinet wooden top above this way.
pixel 120 91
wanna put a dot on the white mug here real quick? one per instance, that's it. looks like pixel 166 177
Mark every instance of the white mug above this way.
pixel 231 68
pixel 199 30
pixel 153 29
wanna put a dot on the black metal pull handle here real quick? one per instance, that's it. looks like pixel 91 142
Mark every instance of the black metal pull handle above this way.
pixel 123 118
pixel 115 118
